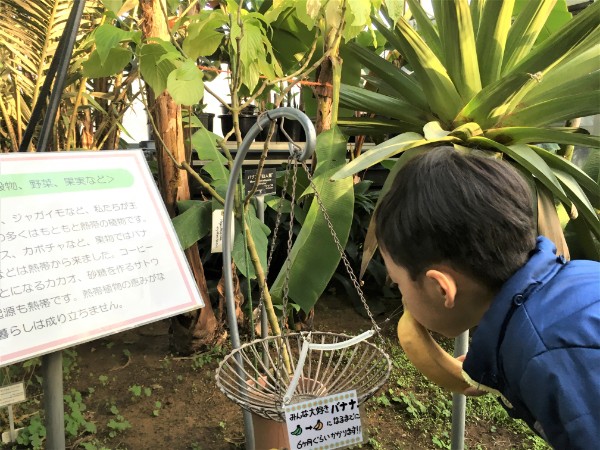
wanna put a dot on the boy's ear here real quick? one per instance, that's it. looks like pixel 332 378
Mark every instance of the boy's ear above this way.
pixel 446 284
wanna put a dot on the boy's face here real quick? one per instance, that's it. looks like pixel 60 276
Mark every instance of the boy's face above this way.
pixel 425 301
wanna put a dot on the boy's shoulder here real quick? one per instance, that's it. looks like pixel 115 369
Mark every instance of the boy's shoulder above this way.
pixel 565 310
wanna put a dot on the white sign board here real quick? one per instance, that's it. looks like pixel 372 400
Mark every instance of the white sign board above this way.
pixel 87 249
pixel 325 422
pixel 11 394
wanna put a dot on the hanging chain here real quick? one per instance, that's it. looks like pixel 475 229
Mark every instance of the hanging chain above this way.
pixel 290 242
pixel 349 270
pixel 286 180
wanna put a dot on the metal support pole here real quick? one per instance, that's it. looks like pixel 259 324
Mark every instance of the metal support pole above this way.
pixel 53 400
pixel 52 363
pixel 311 141
pixel 459 401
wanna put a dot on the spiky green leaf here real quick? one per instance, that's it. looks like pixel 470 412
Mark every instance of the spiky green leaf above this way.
pixel 580 200
pixel 585 181
pixel 524 32
pixel 561 42
pixel 425 27
pixel 528 135
pixel 439 90
pixel 458 44
pixel 491 39
pixel 363 100
pixel 531 162
pixel 405 86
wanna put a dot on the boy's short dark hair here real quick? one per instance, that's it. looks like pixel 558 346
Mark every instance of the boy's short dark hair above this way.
pixel 466 210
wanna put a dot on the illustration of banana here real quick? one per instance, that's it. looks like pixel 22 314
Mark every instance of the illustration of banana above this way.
pixel 318 426
pixel 428 357
pixel 297 431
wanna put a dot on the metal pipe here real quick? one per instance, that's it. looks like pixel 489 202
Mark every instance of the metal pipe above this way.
pixel 54 410
pixel 262 122
pixel 459 401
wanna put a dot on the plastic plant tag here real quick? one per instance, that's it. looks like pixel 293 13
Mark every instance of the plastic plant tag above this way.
pixel 216 244
pixel 11 394
pixel 325 423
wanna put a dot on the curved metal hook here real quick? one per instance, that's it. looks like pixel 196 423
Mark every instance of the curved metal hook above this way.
pixel 307 151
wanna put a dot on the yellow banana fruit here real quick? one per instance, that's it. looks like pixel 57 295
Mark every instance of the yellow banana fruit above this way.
pixel 428 357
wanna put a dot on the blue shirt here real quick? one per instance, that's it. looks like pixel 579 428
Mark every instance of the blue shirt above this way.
pixel 538 348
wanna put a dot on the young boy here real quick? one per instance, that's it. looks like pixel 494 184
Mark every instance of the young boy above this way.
pixel 458 236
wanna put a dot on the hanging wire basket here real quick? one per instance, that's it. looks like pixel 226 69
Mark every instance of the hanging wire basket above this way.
pixel 255 377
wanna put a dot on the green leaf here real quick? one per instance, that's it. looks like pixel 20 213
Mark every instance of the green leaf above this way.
pixel 582 244
pixel 580 200
pixel 491 39
pixel 314 256
pixel 205 144
pixel 362 100
pixel 548 223
pixel 554 110
pixel 154 70
pixel 203 37
pixel 113 5
pixel 185 84
pixel 524 32
pixel 583 179
pixel 385 150
pixel 483 108
pixel 528 135
pixel 561 42
pixel 531 162
pixel 458 44
pixel 477 7
pixel 426 28
pixel 240 253
pixel 108 37
pixel 558 17
pixel 579 72
pixel 404 85
pixel 439 90
pixel 116 61
pixel 395 9
pixel 193 224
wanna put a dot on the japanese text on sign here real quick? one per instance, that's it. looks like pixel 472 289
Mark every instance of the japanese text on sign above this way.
pixel 324 423
pixel 267 183
pixel 83 253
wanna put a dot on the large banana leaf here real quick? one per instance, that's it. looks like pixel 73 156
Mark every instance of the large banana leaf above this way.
pixel 314 255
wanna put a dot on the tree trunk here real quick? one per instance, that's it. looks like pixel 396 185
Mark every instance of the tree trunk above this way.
pixel 193 331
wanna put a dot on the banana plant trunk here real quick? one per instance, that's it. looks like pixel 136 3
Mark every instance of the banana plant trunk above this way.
pixel 194 331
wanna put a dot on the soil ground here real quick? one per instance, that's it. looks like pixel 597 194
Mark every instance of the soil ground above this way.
pixel 173 403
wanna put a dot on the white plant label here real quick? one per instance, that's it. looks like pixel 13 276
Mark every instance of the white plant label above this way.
pixel 11 394
pixel 325 422
pixel 216 244
pixel 87 249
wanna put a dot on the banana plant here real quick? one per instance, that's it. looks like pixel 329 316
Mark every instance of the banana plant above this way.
pixel 485 76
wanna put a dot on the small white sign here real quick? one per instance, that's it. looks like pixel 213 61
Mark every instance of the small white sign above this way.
pixel 325 423
pixel 87 249
pixel 11 394
pixel 216 244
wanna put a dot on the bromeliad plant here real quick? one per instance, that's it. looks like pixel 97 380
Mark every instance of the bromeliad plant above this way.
pixel 483 76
